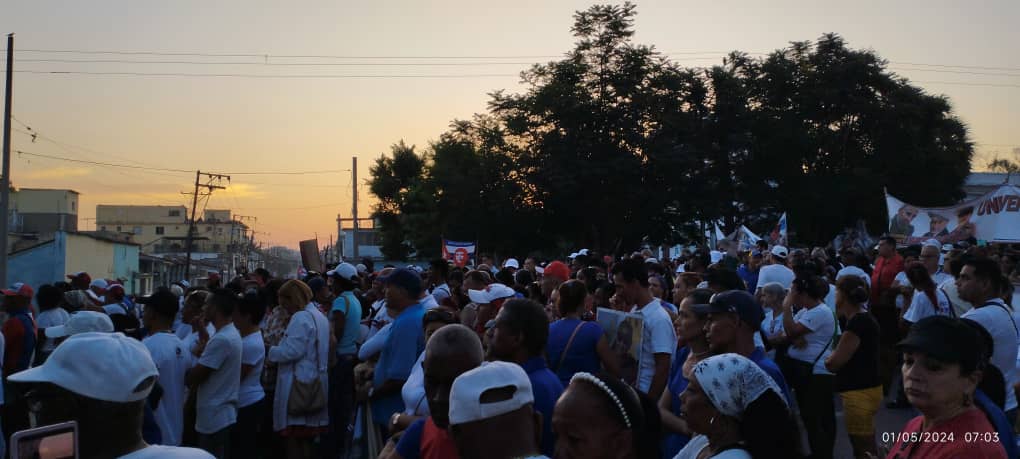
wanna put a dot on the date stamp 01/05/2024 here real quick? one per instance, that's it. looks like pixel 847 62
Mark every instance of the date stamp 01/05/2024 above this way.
pixel 891 438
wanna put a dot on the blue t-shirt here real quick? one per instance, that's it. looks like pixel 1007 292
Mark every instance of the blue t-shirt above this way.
pixel 998 420
pixel 349 305
pixel 770 367
pixel 399 353
pixel 582 355
pixel 749 277
pixel 546 388
pixel 674 442
pixel 409 445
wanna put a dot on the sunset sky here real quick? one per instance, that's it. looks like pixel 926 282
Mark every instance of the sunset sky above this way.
pixel 295 124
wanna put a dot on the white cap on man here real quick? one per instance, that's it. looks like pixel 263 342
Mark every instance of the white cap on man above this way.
pixel 82 322
pixel 100 366
pixel 344 270
pixel 511 263
pixel 780 251
pixel 491 293
pixel 466 403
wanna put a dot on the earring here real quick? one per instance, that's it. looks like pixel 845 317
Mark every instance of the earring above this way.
pixel 711 420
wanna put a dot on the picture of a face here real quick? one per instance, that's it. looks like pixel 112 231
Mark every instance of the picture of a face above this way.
pixel 938 224
pixel 460 257
pixel 907 213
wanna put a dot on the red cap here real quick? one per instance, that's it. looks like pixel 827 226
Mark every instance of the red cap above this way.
pixel 557 269
pixel 83 275
pixel 20 289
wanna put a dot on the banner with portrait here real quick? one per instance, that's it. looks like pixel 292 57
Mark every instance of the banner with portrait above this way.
pixel 460 253
pixel 994 217
pixel 624 333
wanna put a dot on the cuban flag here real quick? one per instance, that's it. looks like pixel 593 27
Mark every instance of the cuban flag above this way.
pixel 461 253
pixel 778 234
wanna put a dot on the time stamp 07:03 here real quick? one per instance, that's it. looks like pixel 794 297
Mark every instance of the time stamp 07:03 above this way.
pixel 939 437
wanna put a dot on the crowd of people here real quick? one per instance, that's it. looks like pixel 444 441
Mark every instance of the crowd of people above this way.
pixel 739 353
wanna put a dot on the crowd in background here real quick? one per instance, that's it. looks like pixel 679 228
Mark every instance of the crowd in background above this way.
pixel 741 353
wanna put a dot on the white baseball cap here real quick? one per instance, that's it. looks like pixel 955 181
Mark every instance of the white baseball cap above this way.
pixel 101 284
pixel 101 366
pixel 344 270
pixel 492 292
pixel 82 322
pixel 465 396
pixel 361 268
pixel 716 256
pixel 511 263
pixel 651 260
pixel 583 252
pixel 933 243
pixel 780 251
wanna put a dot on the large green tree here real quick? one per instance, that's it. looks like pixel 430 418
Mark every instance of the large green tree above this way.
pixel 615 144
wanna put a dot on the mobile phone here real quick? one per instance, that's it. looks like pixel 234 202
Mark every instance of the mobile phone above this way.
pixel 57 441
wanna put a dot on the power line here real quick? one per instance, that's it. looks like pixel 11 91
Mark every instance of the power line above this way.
pixel 960 83
pixel 282 64
pixel 262 76
pixel 98 163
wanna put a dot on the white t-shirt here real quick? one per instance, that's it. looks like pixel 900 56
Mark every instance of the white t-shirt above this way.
pixel 700 442
pixel 440 292
pixel 939 278
pixel 413 391
pixel 167 452
pixel 217 396
pixel 773 323
pixel 172 360
pixel 822 324
pixel 999 323
pixel 658 337
pixel 253 352
pixel 114 309
pixel 775 273
pixel 51 318
pixel 830 298
pixel 921 306
pixel 429 302
pixel 854 271
pixel 959 305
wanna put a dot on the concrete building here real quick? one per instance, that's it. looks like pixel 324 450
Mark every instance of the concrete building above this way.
pixel 980 183
pixel 164 229
pixel 367 241
pixel 43 211
pixel 103 256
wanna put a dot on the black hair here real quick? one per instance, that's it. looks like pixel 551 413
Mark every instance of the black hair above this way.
pixel 440 266
pixel 527 318
pixel 438 315
pixel 987 269
pixel 993 382
pixel 854 288
pixel 523 277
pixel 456 276
pixel 478 276
pixel 632 269
pixel 642 412
pixel 811 285
pixel 572 295
pixel 166 309
pixel 888 240
pixel 957 263
pixel 768 428
pixel 264 273
pixel 270 292
pixel 591 276
pixel 505 277
pixel 48 297
pixel 724 278
pixel 253 306
pixel 341 284
pixel 701 296
pixel 223 300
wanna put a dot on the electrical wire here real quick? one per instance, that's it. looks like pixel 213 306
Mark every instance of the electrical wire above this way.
pixel 262 76
pixel 99 163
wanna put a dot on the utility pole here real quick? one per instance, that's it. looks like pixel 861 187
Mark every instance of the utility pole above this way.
pixel 194 211
pixel 354 206
pixel 5 181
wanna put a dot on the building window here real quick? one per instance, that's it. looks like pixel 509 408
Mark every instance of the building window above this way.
pixel 159 230
pixel 215 247
pixel 137 230
pixel 119 229
pixel 175 212
pixel 73 205
pixel 219 231
pixel 102 228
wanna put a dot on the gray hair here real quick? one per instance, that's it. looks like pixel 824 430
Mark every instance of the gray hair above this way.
pixel 456 338
pixel 774 288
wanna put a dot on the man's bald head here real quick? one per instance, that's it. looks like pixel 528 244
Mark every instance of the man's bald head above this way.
pixel 451 351
pixel 455 339
pixel 930 258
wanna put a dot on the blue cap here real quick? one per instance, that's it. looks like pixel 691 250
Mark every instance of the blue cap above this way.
pixel 737 302
pixel 405 279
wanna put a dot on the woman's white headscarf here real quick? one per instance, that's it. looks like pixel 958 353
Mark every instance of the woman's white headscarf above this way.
pixel 732 382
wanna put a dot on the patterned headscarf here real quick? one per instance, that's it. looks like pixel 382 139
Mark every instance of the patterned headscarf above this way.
pixel 732 382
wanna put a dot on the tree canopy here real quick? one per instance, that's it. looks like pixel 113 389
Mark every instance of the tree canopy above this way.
pixel 615 144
